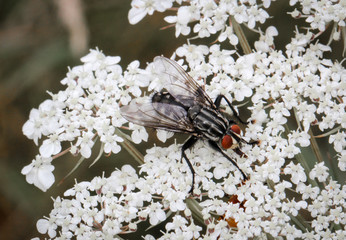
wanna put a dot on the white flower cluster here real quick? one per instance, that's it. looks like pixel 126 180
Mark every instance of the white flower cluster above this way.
pixel 320 13
pixel 106 208
pixel 284 86
pixel 297 98
pixel 323 14
pixel 117 204
pixel 88 108
pixel 209 16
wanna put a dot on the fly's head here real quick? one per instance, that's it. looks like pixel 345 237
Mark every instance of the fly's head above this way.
pixel 232 137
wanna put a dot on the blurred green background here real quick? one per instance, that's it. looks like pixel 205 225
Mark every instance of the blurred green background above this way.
pixel 38 40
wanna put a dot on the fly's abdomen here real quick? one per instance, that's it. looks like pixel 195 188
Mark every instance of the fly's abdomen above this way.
pixel 208 122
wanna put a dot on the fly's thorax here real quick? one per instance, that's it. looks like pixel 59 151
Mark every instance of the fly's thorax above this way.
pixel 208 122
pixel 193 112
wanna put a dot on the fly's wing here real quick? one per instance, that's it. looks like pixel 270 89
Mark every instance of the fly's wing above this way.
pixel 180 84
pixel 158 115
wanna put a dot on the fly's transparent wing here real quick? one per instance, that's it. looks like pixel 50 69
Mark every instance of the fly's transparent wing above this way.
pixel 180 84
pixel 158 115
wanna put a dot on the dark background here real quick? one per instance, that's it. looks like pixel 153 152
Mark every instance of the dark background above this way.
pixel 35 51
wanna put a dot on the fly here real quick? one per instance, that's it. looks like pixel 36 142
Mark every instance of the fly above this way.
pixel 185 107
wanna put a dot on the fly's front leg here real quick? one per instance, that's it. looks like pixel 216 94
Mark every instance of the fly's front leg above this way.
pixel 217 148
pixel 188 144
pixel 217 104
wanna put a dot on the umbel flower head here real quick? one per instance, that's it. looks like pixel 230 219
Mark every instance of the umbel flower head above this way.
pixel 295 95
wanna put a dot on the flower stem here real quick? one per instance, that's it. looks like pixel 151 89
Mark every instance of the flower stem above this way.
pixel 196 209
pixel 314 147
pixel 130 148
pixel 240 33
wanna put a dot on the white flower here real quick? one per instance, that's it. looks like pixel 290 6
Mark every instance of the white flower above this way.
pixel 193 231
pixel 213 189
pixel 338 140
pixel 43 121
pixel 228 33
pixel 163 135
pixel 221 59
pixel 241 90
pixel 204 28
pixel 307 191
pixel 140 8
pixel 178 224
pixel 194 54
pixel 46 226
pixel 139 133
pixel 221 171
pixel 50 146
pixel 85 143
pixel 135 78
pixel 293 207
pixel 296 171
pixel 123 180
pixel 80 190
pixel 96 60
pixel 256 14
pixel 306 114
pixel 266 41
pixel 303 138
pixel 184 15
pixel 176 200
pixel 39 173
pixel 291 232
pixel 239 13
pixel 337 215
pixel 156 214
pixel 320 172
pixel 280 189
pixel 342 161
pixel 279 111
pixel 32 128
pixel 271 227
pixel 111 143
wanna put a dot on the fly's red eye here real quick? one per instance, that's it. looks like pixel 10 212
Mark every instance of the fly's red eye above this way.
pixel 236 129
pixel 227 142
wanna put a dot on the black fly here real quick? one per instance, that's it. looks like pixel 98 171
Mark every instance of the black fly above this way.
pixel 185 107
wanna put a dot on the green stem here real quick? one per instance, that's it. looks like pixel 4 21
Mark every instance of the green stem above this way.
pixel 315 147
pixel 334 130
pixel 300 222
pixel 195 209
pixel 130 148
pixel 240 33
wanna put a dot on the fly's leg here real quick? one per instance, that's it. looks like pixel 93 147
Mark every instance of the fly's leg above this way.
pixel 253 142
pixel 188 144
pixel 239 152
pixel 217 148
pixel 239 139
pixel 217 104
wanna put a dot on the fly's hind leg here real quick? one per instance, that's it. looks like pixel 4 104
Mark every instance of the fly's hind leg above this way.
pixel 188 144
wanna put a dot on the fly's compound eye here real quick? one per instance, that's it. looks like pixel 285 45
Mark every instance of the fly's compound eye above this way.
pixel 235 128
pixel 226 141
